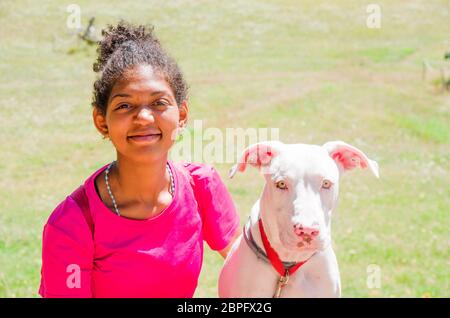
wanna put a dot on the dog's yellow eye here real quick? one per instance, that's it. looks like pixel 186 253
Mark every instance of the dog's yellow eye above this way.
pixel 326 184
pixel 281 185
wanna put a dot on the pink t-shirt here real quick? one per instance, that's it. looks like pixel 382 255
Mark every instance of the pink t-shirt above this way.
pixel 157 257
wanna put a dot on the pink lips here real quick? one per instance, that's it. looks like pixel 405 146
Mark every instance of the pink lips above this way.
pixel 150 137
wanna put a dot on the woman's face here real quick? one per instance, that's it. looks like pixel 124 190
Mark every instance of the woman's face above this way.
pixel 142 116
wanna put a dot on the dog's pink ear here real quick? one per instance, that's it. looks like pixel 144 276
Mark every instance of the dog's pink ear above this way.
pixel 258 155
pixel 348 157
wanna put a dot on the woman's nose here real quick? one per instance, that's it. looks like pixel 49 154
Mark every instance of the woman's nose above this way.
pixel 145 115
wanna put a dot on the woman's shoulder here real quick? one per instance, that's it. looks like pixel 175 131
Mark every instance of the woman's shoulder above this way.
pixel 67 225
pixel 68 212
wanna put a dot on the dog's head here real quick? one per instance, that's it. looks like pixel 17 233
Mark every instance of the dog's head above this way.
pixel 301 190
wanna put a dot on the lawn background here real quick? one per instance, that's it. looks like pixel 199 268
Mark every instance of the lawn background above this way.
pixel 311 68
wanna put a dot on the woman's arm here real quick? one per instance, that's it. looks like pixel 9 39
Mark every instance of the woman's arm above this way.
pixel 227 249
pixel 67 254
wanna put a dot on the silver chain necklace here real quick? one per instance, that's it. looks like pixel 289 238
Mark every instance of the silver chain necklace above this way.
pixel 172 185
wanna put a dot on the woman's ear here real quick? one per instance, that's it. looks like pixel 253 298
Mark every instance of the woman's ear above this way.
pixel 100 122
pixel 184 111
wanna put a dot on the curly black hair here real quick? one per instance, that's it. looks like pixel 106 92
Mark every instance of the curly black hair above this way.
pixel 124 46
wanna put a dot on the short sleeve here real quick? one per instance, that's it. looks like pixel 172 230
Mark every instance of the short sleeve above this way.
pixel 67 253
pixel 219 215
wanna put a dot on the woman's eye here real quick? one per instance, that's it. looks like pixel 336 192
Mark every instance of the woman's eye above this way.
pixel 281 185
pixel 326 184
pixel 123 106
pixel 160 104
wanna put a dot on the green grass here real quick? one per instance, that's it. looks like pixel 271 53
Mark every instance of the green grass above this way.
pixel 432 129
pixel 386 54
pixel 312 69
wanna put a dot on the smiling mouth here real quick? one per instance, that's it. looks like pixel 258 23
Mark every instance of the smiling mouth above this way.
pixel 145 138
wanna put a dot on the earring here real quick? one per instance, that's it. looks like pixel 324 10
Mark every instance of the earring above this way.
pixel 180 133
pixel 105 136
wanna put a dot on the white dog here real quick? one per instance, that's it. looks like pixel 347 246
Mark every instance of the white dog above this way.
pixel 286 250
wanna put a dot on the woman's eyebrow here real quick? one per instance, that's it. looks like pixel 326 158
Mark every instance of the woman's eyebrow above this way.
pixel 160 93
pixel 128 95
pixel 163 93
pixel 120 95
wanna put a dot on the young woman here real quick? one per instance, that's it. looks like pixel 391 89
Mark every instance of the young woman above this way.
pixel 136 227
